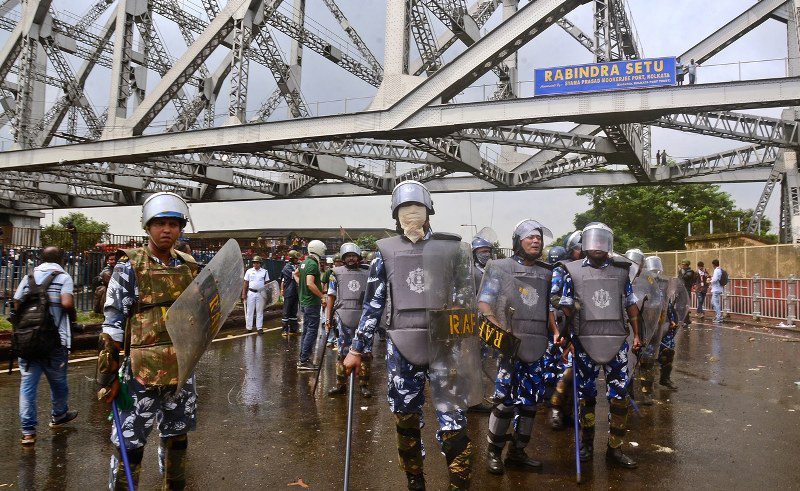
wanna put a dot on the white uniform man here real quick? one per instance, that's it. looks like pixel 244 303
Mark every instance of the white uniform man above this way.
pixel 254 280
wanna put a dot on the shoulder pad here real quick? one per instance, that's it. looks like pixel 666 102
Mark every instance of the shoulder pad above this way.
pixel 365 267
pixel 187 258
pixel 621 262
pixel 545 265
pixel 445 236
pixel 128 254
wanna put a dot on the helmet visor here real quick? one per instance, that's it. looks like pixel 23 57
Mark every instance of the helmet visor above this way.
pixel 653 263
pixel 530 228
pixel 597 239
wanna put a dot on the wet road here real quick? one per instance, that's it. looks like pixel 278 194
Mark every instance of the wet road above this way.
pixel 734 423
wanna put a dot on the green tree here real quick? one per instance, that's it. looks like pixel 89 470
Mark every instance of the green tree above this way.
pixel 656 217
pixel 90 232
pixel 366 243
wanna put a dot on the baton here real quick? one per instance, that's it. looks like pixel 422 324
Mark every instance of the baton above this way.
pixel 350 397
pixel 577 423
pixel 123 450
pixel 321 359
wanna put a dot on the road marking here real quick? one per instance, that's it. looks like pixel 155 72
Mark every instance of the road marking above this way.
pixel 226 338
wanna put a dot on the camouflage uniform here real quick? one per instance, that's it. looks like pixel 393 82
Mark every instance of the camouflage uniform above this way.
pixel 139 293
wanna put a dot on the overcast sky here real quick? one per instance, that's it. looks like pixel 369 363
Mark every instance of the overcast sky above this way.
pixel 665 28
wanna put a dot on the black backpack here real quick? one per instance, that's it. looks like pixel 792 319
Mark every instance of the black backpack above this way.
pixel 723 278
pixel 34 331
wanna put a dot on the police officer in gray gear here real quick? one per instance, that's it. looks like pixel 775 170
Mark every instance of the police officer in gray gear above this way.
pixel 345 296
pixel 481 253
pixel 521 283
pixel 399 270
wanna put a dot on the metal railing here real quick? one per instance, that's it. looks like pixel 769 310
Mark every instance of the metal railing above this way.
pixel 760 298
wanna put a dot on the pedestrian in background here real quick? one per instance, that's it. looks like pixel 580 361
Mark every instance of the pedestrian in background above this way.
pixel 679 71
pixel 254 280
pixel 688 277
pixel 59 288
pixel 289 294
pixel 692 72
pixel 701 287
pixel 717 287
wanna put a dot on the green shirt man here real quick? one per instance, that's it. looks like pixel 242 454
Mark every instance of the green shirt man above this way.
pixel 309 267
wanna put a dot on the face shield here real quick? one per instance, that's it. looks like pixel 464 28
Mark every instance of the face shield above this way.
pixel 653 263
pixel 597 239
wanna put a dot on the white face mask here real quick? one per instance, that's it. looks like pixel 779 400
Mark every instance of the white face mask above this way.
pixel 412 218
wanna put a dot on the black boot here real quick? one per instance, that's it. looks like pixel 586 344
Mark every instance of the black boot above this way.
pixel 494 459
pixel 586 451
pixel 483 407
pixel 416 482
pixel 667 355
pixel 666 382
pixel 518 458
pixel 339 389
pixel 616 457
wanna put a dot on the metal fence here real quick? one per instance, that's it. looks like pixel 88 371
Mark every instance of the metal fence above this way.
pixel 767 298
pixel 84 267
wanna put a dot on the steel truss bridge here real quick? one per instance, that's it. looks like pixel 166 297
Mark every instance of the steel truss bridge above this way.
pixel 165 135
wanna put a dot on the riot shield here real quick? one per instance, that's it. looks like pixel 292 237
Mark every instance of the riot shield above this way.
pixel 679 297
pixel 651 347
pixel 454 357
pixel 271 293
pixel 651 304
pixel 489 235
pixel 198 314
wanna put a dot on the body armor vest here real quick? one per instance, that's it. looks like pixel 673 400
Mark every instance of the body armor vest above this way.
pixel 528 293
pixel 350 286
pixel 600 322
pixel 410 290
pixel 153 358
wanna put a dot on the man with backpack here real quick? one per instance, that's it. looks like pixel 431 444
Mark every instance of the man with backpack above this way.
pixel 719 278
pixel 43 306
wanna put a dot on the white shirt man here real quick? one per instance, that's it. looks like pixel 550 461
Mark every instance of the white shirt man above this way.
pixel 254 280
pixel 716 291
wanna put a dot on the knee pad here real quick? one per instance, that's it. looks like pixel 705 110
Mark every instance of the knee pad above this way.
pixel 617 421
pixel 586 413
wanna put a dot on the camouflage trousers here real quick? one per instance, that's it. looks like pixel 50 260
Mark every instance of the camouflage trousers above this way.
pixel 406 396
pixel 343 343
pixel 176 416
pixel 519 386
pixel 616 372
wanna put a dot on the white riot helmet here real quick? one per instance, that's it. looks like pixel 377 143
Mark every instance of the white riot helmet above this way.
pixel 636 256
pixel 349 247
pixel 165 205
pixel 597 237
pixel 653 263
pixel 411 192
pixel 316 247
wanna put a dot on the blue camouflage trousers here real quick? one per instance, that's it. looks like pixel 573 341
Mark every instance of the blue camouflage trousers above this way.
pixel 175 416
pixel 668 341
pixel 519 383
pixel 406 392
pixel 551 370
pixel 615 370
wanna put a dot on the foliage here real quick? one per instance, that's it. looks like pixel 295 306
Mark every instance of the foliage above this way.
pixel 498 252
pixel 366 243
pixel 90 232
pixel 656 218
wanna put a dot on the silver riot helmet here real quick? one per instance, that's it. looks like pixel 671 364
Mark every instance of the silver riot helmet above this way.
pixel 653 263
pixel 349 247
pixel 636 256
pixel 573 243
pixel 411 192
pixel 165 205
pixel 528 228
pixel 597 237
pixel 316 247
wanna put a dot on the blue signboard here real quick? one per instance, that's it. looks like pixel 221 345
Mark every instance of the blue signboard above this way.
pixel 613 75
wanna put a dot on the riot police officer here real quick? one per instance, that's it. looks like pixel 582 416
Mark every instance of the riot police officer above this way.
pixel 151 278
pixel 560 399
pixel 290 295
pixel 481 254
pixel 521 283
pixel 345 298
pixel 596 291
pixel 399 269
